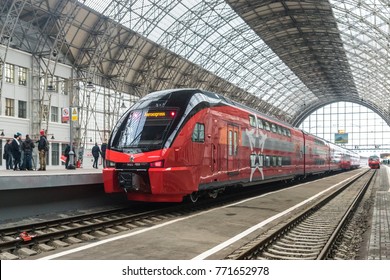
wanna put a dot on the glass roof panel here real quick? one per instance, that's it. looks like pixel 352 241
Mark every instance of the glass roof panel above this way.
pixel 365 30
pixel 211 35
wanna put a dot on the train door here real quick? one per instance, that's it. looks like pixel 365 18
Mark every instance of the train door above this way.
pixel 232 146
pixel 215 146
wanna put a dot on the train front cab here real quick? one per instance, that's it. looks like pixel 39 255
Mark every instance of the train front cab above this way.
pixel 374 162
pixel 141 165
pixel 150 176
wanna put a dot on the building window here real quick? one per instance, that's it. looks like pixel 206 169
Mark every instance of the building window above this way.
pixel 22 76
pixel 9 107
pixel 9 73
pixel 22 112
pixel 52 84
pixel 63 148
pixel 54 114
pixel 55 159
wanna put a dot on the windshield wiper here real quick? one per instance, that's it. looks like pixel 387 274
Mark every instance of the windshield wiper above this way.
pixel 135 138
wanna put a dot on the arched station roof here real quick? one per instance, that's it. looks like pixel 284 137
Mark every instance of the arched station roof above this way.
pixel 284 58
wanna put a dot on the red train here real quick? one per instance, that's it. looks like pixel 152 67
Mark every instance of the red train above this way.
pixel 189 142
pixel 374 162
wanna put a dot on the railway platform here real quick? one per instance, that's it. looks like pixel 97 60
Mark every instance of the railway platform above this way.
pixel 15 180
pixel 379 235
pixel 28 194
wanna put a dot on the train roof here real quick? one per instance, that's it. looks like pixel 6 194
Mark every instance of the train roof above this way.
pixel 213 98
pixel 162 97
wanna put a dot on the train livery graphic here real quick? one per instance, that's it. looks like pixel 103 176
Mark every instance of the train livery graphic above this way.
pixel 374 162
pixel 188 142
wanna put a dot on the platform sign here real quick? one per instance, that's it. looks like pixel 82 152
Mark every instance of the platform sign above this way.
pixel 75 114
pixel 341 138
pixel 65 115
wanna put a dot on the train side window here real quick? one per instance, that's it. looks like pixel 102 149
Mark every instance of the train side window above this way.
pixel 260 123
pixel 274 161
pixel 288 132
pixel 267 161
pixel 230 143
pixel 198 133
pixel 286 161
pixel 252 121
pixel 279 130
pixel 235 143
pixel 284 131
pixel 257 160
pixel 273 127
pixel 266 125
pixel 280 161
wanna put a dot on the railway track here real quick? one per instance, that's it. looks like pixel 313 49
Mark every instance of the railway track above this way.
pixel 24 241
pixel 313 233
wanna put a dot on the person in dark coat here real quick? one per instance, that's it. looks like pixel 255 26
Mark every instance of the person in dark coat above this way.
pixel 22 163
pixel 16 150
pixel 67 151
pixel 103 149
pixel 27 147
pixel 43 147
pixel 8 155
pixel 95 153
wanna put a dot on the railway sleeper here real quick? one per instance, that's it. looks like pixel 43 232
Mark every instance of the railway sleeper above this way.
pixel 300 238
pixel 299 244
pixel 305 236
pixel 270 257
pixel 310 225
pixel 294 249
pixel 311 231
pixel 288 256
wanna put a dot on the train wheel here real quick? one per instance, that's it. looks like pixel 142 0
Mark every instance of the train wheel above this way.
pixel 213 194
pixel 194 197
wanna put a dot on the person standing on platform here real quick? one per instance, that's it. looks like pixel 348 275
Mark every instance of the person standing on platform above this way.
pixel 43 147
pixel 95 153
pixel 27 148
pixel 103 153
pixel 8 155
pixel 67 151
pixel 22 163
pixel 16 150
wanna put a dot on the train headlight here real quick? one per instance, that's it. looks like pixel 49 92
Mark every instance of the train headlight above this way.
pixel 110 163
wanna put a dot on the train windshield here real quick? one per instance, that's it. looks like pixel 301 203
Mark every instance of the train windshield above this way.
pixel 374 158
pixel 145 129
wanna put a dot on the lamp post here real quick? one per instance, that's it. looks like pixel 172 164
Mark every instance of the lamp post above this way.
pixel 73 117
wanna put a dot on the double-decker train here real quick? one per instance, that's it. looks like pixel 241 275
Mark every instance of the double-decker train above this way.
pixel 374 162
pixel 188 142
